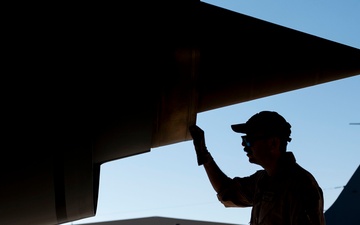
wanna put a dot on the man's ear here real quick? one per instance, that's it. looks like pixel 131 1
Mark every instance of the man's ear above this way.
pixel 274 142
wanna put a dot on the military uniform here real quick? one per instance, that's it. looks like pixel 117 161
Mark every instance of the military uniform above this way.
pixel 291 197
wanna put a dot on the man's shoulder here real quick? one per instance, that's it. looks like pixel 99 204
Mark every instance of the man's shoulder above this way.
pixel 303 177
pixel 295 170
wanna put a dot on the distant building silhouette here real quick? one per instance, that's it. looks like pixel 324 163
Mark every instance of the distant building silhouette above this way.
pixel 157 220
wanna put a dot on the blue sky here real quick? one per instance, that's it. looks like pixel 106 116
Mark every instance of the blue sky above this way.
pixel 167 181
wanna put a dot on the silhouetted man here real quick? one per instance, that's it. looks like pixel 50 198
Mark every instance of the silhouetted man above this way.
pixel 282 193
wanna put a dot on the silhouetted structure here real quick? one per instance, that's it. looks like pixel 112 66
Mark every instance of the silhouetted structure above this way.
pixel 346 208
pixel 157 220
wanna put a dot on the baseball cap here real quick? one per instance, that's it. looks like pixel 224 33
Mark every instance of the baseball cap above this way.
pixel 269 122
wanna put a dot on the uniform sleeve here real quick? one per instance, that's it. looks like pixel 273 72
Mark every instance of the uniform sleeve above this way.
pixel 239 192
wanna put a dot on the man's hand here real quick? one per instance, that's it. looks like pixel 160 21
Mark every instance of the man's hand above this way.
pixel 198 136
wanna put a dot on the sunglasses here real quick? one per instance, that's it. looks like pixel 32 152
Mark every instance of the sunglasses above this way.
pixel 248 141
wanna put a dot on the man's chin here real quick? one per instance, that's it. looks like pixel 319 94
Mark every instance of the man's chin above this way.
pixel 251 159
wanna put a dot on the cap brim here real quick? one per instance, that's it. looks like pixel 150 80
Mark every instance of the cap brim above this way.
pixel 240 128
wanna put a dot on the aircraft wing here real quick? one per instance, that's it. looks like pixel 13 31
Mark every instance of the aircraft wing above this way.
pixel 94 82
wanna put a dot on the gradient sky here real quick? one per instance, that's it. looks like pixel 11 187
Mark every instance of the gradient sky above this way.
pixel 167 181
